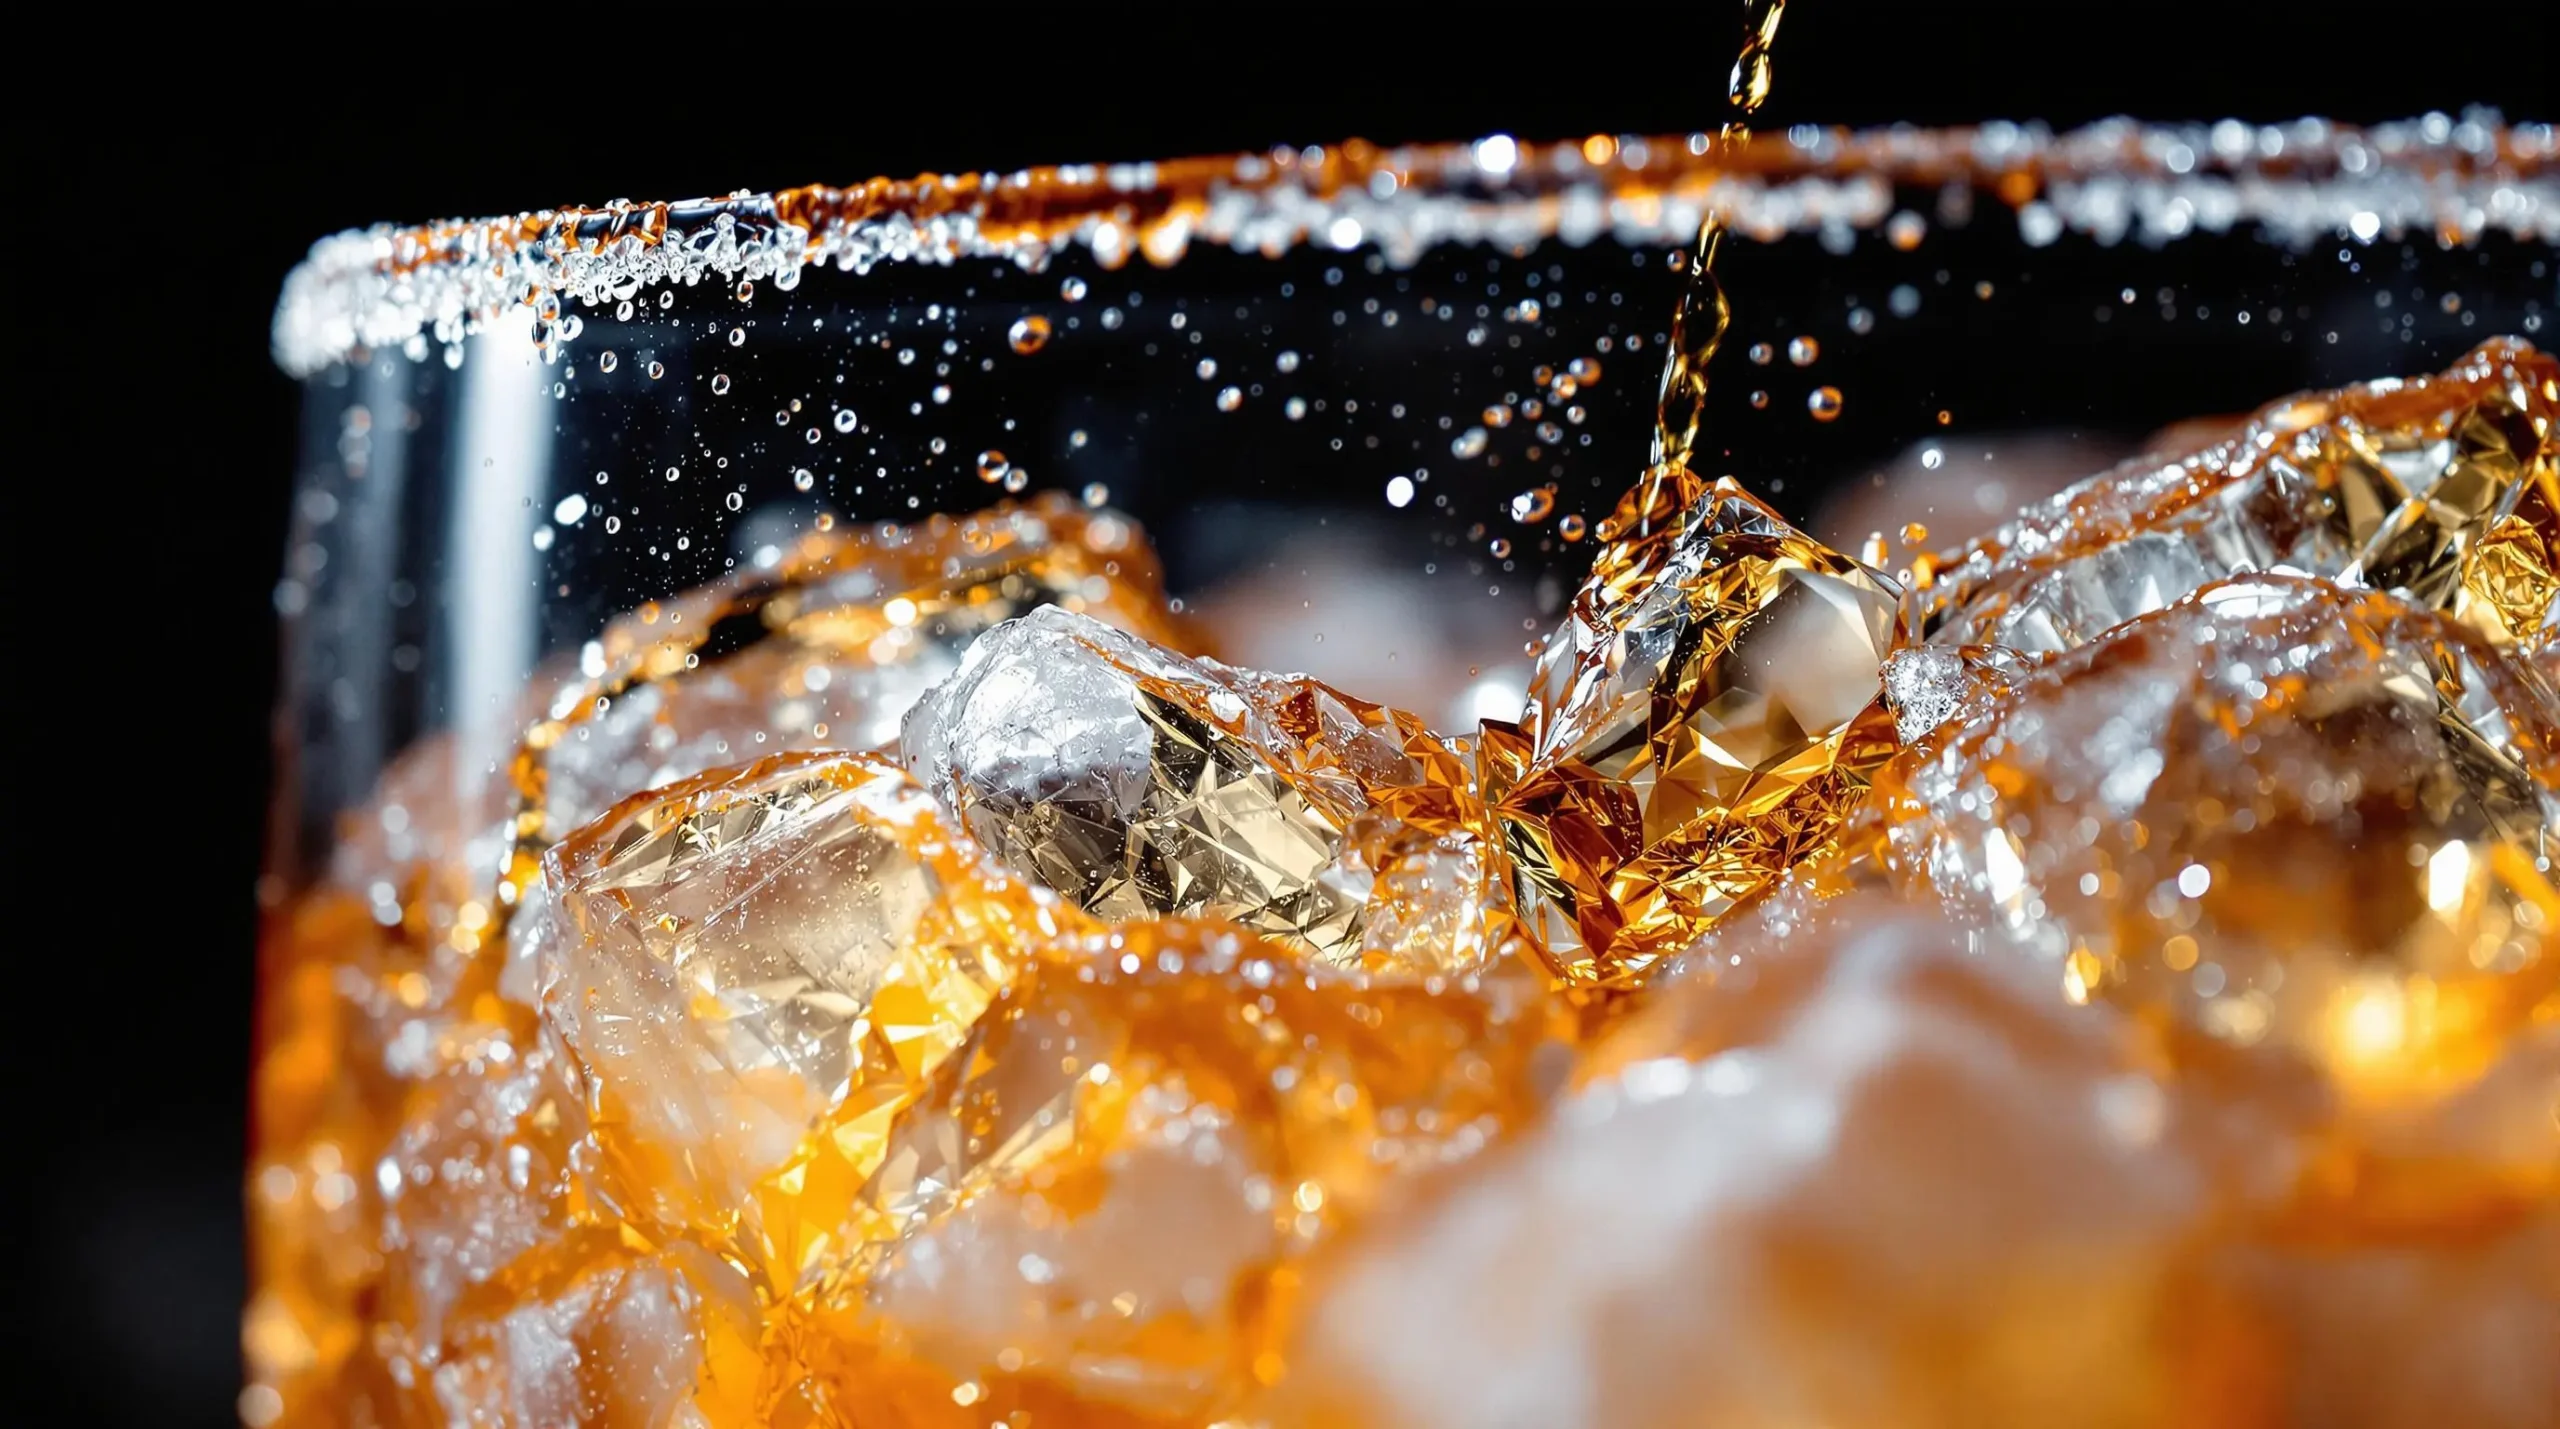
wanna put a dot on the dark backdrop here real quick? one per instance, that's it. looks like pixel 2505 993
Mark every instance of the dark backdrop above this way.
pixel 158 214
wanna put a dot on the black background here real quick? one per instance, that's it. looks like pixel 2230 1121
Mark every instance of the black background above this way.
pixel 160 210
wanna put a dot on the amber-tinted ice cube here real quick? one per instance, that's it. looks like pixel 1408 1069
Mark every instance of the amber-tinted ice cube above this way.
pixel 1705 716
pixel 826 649
pixel 755 968
pixel 1139 783
pixel 1100 1210
pixel 2277 813
pixel 1889 1180
pixel 2444 489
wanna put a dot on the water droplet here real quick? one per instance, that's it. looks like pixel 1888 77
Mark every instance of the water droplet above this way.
pixel 1075 439
pixel 1802 351
pixel 612 524
pixel 941 394
pixel 1914 533
pixel 571 510
pixel 1096 494
pixel 657 370
pixel 1760 353
pixel 737 337
pixel 1016 479
pixel 1207 369
pixel 803 479
pixel 1585 370
pixel 1861 321
pixel 1399 491
pixel 846 421
pixel 622 311
pixel 1230 398
pixel 667 299
pixel 2452 303
pixel 1500 548
pixel 673 472
pixel 1570 527
pixel 737 502
pixel 1533 505
pixel 606 361
pixel 1469 444
pixel 1905 230
pixel 992 467
pixel 1072 290
pixel 812 436
pixel 1287 361
pixel 1759 400
pixel 1931 459
pixel 1294 408
pixel 1029 334
pixel 719 384
pixel 1872 550
pixel 1497 416
pixel 1945 416
pixel 1823 403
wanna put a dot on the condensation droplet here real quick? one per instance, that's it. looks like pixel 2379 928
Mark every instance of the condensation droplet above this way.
pixel 1029 334
pixel 1823 403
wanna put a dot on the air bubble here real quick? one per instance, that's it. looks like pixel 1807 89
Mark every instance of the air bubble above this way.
pixel 1905 230
pixel 1016 479
pixel 845 420
pixel 1823 403
pixel 1287 361
pixel 1469 444
pixel 992 467
pixel 657 370
pixel 1803 351
pixel 941 394
pixel 719 384
pixel 1029 334
pixel 803 479
pixel 737 502
pixel 1294 408
pixel 606 361
pixel 1861 321
pixel 1534 505
pixel 1570 527
pixel 1230 398
pixel 1207 369
pixel 737 337
pixel 1072 290
pixel 674 472
pixel 1500 548
pixel 1497 417
pixel 1760 353
pixel 1585 370
pixel 1399 491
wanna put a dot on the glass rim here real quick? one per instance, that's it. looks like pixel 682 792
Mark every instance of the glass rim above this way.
pixel 408 288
